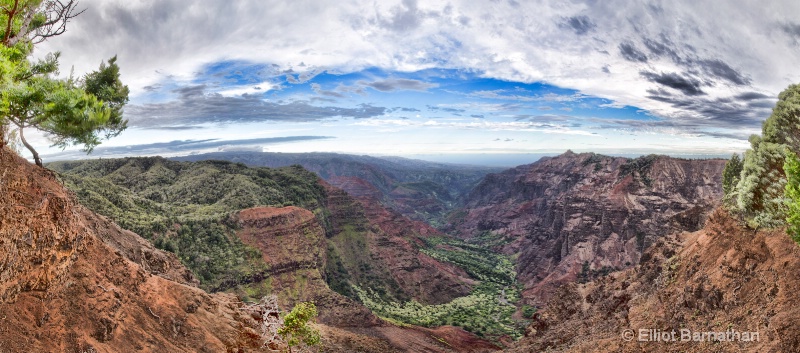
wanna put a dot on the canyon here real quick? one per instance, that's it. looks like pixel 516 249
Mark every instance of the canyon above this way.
pixel 596 244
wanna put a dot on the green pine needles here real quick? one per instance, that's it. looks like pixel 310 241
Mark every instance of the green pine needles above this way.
pixel 69 111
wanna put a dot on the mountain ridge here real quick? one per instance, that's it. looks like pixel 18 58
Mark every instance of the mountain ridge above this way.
pixel 576 216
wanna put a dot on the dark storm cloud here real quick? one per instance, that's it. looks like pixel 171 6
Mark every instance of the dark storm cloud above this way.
pixel 554 119
pixel 686 125
pixel 397 84
pixel 409 109
pixel 664 47
pixel 291 79
pixel 351 89
pixel 579 24
pixel 752 96
pixel 792 29
pixel 152 88
pixel 183 146
pixel 725 112
pixel 631 53
pixel 722 70
pixel 688 85
pixel 195 106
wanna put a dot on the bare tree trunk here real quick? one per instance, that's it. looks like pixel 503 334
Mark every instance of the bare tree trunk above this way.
pixel 30 148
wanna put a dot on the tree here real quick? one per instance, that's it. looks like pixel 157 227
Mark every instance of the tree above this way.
pixel 296 330
pixel 792 195
pixel 731 173
pixel 760 191
pixel 68 111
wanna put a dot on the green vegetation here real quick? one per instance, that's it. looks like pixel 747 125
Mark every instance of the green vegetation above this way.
pixel 587 274
pixel 477 260
pixel 639 168
pixel 352 265
pixel 792 169
pixel 69 111
pixel 528 311
pixel 760 194
pixel 730 175
pixel 296 330
pixel 486 311
pixel 185 208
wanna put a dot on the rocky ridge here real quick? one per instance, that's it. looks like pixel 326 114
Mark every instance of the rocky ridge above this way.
pixel 722 278
pixel 578 216
pixel 74 282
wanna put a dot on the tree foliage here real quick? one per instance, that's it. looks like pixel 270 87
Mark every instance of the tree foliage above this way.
pixel 760 190
pixel 731 173
pixel 792 169
pixel 68 111
pixel 296 329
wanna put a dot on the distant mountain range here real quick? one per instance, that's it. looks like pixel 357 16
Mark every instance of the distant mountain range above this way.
pixel 420 190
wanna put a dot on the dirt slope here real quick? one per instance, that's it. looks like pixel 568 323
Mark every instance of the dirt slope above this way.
pixel 65 289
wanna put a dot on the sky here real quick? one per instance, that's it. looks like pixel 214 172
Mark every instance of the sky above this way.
pixel 439 80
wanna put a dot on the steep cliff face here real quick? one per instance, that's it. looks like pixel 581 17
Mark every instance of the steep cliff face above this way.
pixel 379 249
pixel 74 282
pixel 723 278
pixel 576 216
pixel 293 244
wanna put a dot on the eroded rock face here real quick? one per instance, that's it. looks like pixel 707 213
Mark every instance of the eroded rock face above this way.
pixel 72 281
pixel 389 247
pixel 293 244
pixel 575 216
pixel 722 278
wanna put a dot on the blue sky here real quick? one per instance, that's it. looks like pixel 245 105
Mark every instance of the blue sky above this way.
pixel 439 78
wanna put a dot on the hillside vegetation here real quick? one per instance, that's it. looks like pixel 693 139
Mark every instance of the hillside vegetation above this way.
pixel 185 208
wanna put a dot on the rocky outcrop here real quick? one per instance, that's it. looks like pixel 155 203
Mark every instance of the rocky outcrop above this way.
pixel 723 278
pixel 576 216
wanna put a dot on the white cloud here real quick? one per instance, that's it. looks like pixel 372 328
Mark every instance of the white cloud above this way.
pixel 247 89
pixel 481 125
pixel 518 41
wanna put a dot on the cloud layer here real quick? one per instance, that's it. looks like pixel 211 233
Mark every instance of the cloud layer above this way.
pixel 704 68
